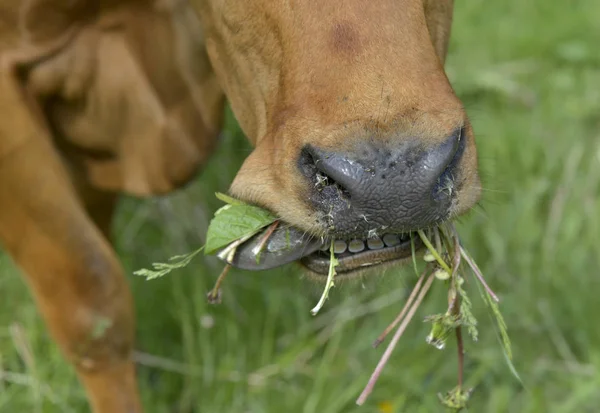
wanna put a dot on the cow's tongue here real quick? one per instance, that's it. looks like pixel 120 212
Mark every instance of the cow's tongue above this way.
pixel 285 245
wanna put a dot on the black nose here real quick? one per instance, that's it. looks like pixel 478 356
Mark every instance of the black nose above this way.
pixel 394 187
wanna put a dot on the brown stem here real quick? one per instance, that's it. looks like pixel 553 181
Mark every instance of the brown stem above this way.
pixel 390 348
pixel 453 302
pixel 461 356
pixel 478 274
pixel 261 245
pixel 213 295
pixel 406 307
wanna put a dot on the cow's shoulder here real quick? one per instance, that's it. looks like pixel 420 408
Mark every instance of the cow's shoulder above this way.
pixel 126 88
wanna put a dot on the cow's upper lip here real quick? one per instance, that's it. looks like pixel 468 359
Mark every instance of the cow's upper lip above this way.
pixel 287 244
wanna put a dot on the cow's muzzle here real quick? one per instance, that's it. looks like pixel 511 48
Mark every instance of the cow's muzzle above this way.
pixel 370 201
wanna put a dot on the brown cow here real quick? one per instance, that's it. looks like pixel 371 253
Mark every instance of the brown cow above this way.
pixel 357 132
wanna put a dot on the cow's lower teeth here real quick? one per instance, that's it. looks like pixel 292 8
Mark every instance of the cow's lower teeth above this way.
pixel 356 245
pixel 339 246
pixel 391 240
pixel 375 243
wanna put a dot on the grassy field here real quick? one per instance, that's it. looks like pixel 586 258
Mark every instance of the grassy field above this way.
pixel 529 74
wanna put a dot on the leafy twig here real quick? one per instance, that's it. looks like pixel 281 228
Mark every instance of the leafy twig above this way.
pixel 163 268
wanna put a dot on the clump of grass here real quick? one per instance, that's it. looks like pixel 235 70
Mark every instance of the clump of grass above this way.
pixel 443 258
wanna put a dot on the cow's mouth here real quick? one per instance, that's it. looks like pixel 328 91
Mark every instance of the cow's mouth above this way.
pixel 356 255
pixel 289 244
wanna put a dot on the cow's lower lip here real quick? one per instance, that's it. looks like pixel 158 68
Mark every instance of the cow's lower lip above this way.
pixel 288 244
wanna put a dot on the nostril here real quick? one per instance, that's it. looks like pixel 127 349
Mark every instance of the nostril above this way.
pixel 315 170
pixel 308 163
pixel 446 180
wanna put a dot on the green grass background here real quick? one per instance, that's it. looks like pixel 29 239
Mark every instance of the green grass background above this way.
pixel 529 74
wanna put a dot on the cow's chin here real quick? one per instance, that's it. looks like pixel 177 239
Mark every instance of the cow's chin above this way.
pixel 354 257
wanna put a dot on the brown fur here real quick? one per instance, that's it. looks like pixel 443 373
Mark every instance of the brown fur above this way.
pixel 100 98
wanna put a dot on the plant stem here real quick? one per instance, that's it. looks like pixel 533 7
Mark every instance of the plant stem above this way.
pixel 461 356
pixel 433 251
pixel 329 283
pixel 414 255
pixel 400 316
pixel 388 351
pixel 456 256
pixel 263 241
pixel 228 252
pixel 478 274
pixel 438 240
pixel 213 295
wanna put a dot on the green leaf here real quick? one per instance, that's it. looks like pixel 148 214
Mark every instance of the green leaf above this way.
pixel 235 221
pixel 501 325
pixel 487 298
pixel 501 331
pixel 230 223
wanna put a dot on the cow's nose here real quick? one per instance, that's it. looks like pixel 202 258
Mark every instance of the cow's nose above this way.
pixel 384 187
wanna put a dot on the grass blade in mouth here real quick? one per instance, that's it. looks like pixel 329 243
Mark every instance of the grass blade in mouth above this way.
pixel 413 253
pixel 433 251
pixel 333 262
